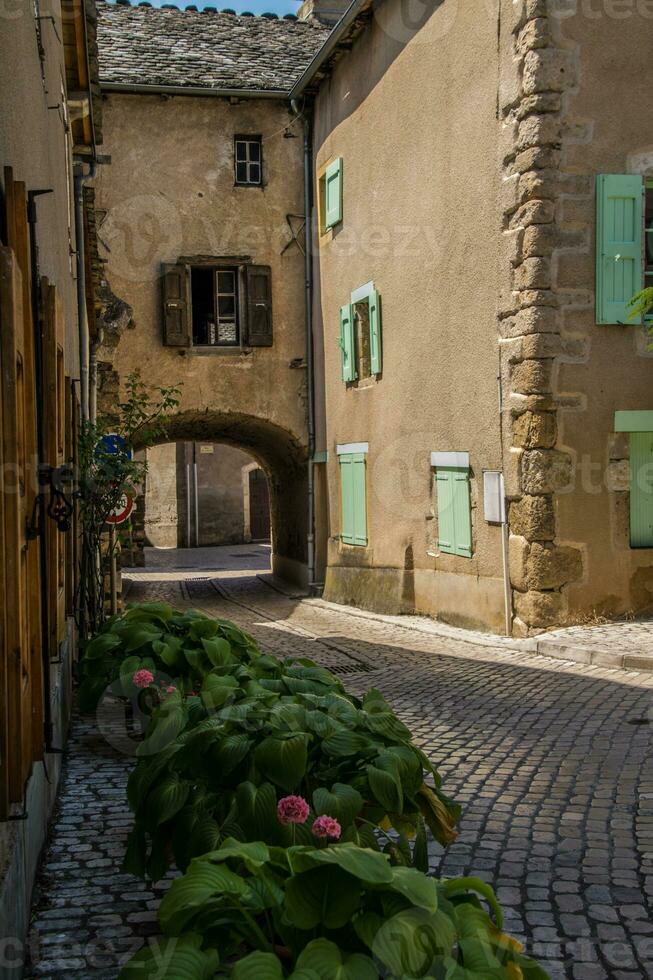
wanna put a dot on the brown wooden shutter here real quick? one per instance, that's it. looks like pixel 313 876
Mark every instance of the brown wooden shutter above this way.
pixel 259 306
pixel 16 673
pixel 176 306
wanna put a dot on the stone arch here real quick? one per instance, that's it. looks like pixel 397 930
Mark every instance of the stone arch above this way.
pixel 284 461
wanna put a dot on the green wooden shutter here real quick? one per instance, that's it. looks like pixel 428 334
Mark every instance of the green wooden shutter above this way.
pixel 347 499
pixel 641 489
pixel 376 357
pixel 347 347
pixel 446 523
pixel 359 501
pixel 462 513
pixel 618 245
pixel 333 193
pixel 454 511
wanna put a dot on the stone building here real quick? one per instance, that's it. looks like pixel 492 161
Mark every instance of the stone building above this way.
pixel 49 128
pixel 471 421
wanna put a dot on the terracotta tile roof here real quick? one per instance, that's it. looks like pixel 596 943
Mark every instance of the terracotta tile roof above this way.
pixel 152 46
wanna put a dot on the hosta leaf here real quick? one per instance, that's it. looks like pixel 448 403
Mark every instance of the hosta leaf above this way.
pixel 137 635
pixel 254 854
pixel 257 810
pixel 416 887
pixel 150 610
pixel 172 959
pixel 457 886
pixel 440 814
pixel 342 802
pixel 166 799
pixel 205 836
pixel 229 751
pixel 366 926
pixel 324 896
pixel 283 760
pixel 408 943
pixel 186 895
pixel 218 650
pixel 367 865
pixel 346 743
pixel 329 963
pixel 195 659
pixel 100 645
pixel 218 691
pixel 386 788
pixel 202 629
pixel 167 722
pixel 258 966
pixel 169 651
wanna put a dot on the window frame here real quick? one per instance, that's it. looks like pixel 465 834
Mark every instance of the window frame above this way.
pixel 330 170
pixel 238 313
pixel 248 140
pixel 350 374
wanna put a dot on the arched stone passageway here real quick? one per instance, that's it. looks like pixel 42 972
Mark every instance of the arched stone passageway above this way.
pixel 284 461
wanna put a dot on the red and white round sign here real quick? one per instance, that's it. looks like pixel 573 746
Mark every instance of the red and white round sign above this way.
pixel 122 511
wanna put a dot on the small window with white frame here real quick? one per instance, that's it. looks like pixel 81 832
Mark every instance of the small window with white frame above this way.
pixel 248 161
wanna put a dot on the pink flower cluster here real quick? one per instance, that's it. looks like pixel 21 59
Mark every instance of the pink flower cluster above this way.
pixel 295 810
pixel 143 678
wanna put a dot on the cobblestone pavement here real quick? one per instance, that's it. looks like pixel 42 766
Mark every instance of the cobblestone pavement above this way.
pixel 550 760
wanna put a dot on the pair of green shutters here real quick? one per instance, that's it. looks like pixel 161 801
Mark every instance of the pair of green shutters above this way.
pixel 619 231
pixel 348 337
pixel 353 498
pixel 454 510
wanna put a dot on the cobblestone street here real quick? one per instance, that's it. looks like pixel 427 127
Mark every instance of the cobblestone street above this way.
pixel 551 761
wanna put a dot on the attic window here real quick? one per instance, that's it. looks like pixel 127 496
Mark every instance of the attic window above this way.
pixel 248 161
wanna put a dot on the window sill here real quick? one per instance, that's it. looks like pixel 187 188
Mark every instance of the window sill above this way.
pixel 216 352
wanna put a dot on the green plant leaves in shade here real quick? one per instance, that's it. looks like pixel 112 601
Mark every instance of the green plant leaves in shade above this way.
pixel 101 644
pixel 167 722
pixel 257 810
pixel 346 743
pixel 458 886
pixel 416 887
pixel 441 815
pixel 342 802
pixel 386 788
pixel 166 799
pixel 169 651
pixel 326 896
pixel 283 760
pixel 258 966
pixel 204 628
pixel 368 866
pixel 218 691
pixel 136 635
pixel 172 959
pixel 230 751
pixel 253 855
pixel 218 650
pixel 188 894
pixel 328 962
pixel 160 611
pixel 409 942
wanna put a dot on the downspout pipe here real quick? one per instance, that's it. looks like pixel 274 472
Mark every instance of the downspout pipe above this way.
pixel 82 314
pixel 308 272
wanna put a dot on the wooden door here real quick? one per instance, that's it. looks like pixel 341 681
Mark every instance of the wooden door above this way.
pixel 259 506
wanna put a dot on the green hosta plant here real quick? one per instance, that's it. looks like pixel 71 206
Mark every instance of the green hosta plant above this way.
pixel 183 647
pixel 341 911
pixel 217 764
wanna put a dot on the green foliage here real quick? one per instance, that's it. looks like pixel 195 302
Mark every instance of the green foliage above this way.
pixel 338 912
pixel 641 304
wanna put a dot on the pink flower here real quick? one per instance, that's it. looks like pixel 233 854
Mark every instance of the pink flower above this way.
pixel 143 678
pixel 326 827
pixel 171 689
pixel 293 809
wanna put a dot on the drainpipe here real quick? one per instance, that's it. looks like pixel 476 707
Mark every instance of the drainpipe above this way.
pixel 308 263
pixel 82 315
pixel 92 376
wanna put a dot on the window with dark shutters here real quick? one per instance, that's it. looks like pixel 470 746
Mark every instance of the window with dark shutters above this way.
pixel 176 319
pixel 259 305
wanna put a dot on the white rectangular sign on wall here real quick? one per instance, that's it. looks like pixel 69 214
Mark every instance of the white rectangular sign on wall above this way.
pixel 494 497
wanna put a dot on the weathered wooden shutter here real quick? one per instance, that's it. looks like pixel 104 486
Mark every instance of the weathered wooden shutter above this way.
pixel 333 193
pixel 641 489
pixel 347 344
pixel 259 306
pixel 16 672
pixel 454 511
pixel 359 502
pixel 18 241
pixel 618 245
pixel 376 353
pixel 176 306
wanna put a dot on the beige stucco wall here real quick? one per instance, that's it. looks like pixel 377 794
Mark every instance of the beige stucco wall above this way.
pixel 612 45
pixel 412 112
pixel 169 192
